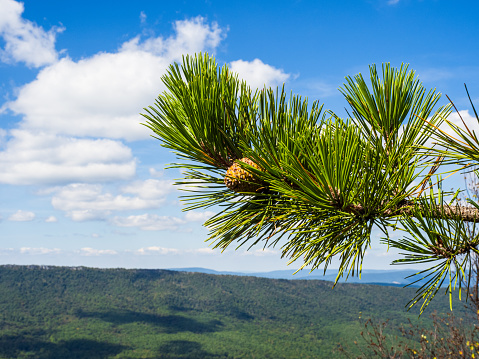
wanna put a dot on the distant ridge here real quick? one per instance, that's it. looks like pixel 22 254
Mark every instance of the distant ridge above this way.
pixel 369 276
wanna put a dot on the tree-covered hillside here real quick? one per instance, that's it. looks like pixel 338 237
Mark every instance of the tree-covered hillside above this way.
pixel 60 312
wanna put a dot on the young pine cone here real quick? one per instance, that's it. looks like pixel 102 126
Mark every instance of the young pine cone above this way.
pixel 239 180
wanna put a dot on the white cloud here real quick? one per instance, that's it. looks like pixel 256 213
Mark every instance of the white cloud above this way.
pixel 150 189
pixel 84 202
pixel 22 216
pixel 142 17
pixel 258 74
pixel 97 97
pixel 262 252
pixel 87 215
pixel 192 36
pixel 455 118
pixel 154 250
pixel 101 98
pixel 75 113
pixel 3 135
pixel 155 173
pixel 198 216
pixel 36 251
pixel 469 119
pixel 25 41
pixel 207 251
pixel 36 157
pixel 96 252
pixel 51 219
pixel 103 94
pixel 149 222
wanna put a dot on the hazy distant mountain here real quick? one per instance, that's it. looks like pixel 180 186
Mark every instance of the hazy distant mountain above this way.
pixel 383 277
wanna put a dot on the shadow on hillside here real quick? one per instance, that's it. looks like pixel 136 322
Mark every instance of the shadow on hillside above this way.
pixel 11 346
pixel 231 311
pixel 169 323
pixel 241 315
pixel 178 308
pixel 185 349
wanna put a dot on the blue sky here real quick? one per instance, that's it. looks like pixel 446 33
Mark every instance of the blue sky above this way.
pixel 83 183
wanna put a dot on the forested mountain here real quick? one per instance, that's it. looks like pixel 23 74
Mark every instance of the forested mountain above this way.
pixel 77 312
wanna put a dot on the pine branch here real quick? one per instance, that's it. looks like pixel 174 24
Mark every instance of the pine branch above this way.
pixel 410 208
pixel 324 183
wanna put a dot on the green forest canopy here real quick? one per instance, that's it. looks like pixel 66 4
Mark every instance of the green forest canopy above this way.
pixel 76 312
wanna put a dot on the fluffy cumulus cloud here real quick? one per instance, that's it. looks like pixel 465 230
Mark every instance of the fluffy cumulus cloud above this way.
pixel 77 117
pixel 258 74
pixel 149 222
pixel 150 189
pixel 193 35
pixel 3 135
pixel 154 222
pixel 457 118
pixel 155 173
pixel 83 201
pixel 101 98
pixel 25 41
pixel 74 131
pixel 22 216
pixel 198 216
pixel 32 158
pixel 105 92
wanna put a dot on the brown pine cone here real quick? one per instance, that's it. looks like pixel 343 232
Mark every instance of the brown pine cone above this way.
pixel 239 180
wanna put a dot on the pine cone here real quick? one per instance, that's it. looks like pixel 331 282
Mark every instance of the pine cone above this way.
pixel 239 180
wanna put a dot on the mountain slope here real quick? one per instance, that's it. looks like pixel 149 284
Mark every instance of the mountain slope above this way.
pixel 60 312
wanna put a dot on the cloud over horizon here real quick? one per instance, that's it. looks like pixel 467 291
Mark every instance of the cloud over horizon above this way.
pixel 22 216
pixel 82 202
